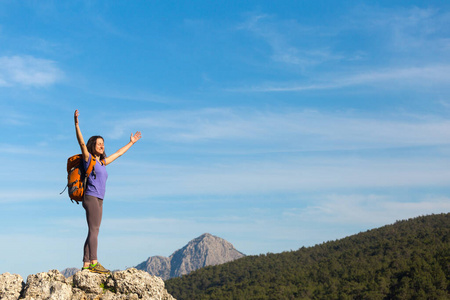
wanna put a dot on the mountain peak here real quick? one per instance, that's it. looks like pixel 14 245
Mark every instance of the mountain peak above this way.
pixel 207 238
pixel 205 250
pixel 205 235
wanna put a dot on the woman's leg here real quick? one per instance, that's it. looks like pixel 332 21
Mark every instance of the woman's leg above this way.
pixel 94 211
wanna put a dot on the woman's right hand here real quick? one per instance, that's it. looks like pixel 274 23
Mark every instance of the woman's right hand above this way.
pixel 75 116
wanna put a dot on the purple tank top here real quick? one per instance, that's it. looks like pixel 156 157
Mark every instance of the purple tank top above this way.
pixel 96 183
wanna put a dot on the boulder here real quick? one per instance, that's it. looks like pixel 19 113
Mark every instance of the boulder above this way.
pixel 47 285
pixel 11 286
pixel 140 283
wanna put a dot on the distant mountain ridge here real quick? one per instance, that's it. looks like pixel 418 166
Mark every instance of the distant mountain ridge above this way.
pixel 206 250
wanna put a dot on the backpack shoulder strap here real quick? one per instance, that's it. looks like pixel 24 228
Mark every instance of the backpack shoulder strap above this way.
pixel 91 166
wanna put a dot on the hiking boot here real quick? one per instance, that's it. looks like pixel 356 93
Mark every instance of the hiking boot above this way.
pixel 98 268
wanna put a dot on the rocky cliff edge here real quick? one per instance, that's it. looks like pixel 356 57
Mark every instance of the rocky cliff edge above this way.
pixel 131 284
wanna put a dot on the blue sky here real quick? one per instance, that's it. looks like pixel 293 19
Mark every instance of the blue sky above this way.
pixel 272 124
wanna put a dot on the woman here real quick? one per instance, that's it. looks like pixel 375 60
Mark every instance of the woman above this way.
pixel 95 191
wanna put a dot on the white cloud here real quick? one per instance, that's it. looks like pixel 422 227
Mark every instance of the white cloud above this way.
pixel 28 71
pixel 410 30
pixel 262 176
pixel 12 118
pixel 19 149
pixel 283 37
pixel 432 75
pixel 411 44
pixel 284 131
pixel 14 195
pixel 367 210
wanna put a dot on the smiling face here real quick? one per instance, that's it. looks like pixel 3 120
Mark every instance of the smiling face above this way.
pixel 96 146
pixel 99 147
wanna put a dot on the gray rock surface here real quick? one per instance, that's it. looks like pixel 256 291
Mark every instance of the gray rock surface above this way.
pixel 140 283
pixel 50 285
pixel 157 266
pixel 88 282
pixel 11 286
pixel 84 285
pixel 206 250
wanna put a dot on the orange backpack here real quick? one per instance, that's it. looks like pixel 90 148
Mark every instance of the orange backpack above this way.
pixel 76 178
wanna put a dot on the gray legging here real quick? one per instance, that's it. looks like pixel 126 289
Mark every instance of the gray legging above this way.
pixel 94 211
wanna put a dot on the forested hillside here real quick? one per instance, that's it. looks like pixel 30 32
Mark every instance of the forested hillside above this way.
pixel 407 260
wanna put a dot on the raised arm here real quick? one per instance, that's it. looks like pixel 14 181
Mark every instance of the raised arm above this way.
pixel 133 139
pixel 84 150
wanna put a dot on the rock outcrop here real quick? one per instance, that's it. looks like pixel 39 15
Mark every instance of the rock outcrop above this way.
pixel 206 250
pixel 11 285
pixel 131 284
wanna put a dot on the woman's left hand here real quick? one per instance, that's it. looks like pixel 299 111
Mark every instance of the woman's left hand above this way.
pixel 134 138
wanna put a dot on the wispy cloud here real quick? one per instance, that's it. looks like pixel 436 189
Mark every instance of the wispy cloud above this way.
pixel 406 47
pixel 283 37
pixel 262 176
pixel 415 77
pixel 13 195
pixel 12 117
pixel 413 30
pixel 28 71
pixel 368 209
pixel 261 152
pixel 130 94
pixel 301 130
